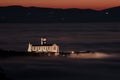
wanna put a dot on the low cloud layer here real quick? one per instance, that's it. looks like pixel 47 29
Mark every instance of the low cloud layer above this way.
pixel 96 55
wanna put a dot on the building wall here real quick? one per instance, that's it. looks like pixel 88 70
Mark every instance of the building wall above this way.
pixel 54 48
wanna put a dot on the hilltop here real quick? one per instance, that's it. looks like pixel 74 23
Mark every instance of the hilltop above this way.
pixel 36 14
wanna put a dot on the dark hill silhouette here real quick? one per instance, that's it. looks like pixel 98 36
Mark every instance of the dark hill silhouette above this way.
pixel 36 14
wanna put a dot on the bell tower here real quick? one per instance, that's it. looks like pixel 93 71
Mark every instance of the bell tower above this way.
pixel 43 41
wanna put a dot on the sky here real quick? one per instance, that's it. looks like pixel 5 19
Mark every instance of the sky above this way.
pixel 83 4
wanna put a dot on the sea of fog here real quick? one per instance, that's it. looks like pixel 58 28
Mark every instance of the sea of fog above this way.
pixel 60 68
pixel 100 37
pixel 103 38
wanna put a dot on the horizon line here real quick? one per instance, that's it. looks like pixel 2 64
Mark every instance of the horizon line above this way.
pixel 58 8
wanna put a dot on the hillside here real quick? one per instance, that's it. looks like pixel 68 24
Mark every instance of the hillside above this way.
pixel 35 14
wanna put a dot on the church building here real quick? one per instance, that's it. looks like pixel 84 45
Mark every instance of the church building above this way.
pixel 44 47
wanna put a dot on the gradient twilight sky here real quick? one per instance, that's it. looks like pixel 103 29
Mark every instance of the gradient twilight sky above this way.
pixel 83 4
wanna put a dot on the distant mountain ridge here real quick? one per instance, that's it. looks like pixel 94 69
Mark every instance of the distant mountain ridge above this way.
pixel 35 14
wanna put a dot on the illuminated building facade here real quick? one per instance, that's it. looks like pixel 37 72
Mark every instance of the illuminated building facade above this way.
pixel 44 47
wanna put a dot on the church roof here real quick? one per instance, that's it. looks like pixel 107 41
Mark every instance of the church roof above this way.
pixel 43 45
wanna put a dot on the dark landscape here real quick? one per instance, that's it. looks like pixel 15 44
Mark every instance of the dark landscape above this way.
pixel 24 66
pixel 19 14
pixel 72 29
pixel 52 68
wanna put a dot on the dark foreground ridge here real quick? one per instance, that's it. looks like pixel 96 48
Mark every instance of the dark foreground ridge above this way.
pixel 34 67
pixel 52 68
pixel 10 53
pixel 21 14
pixel 6 53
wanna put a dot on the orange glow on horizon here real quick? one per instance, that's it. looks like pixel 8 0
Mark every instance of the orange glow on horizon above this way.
pixel 83 4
